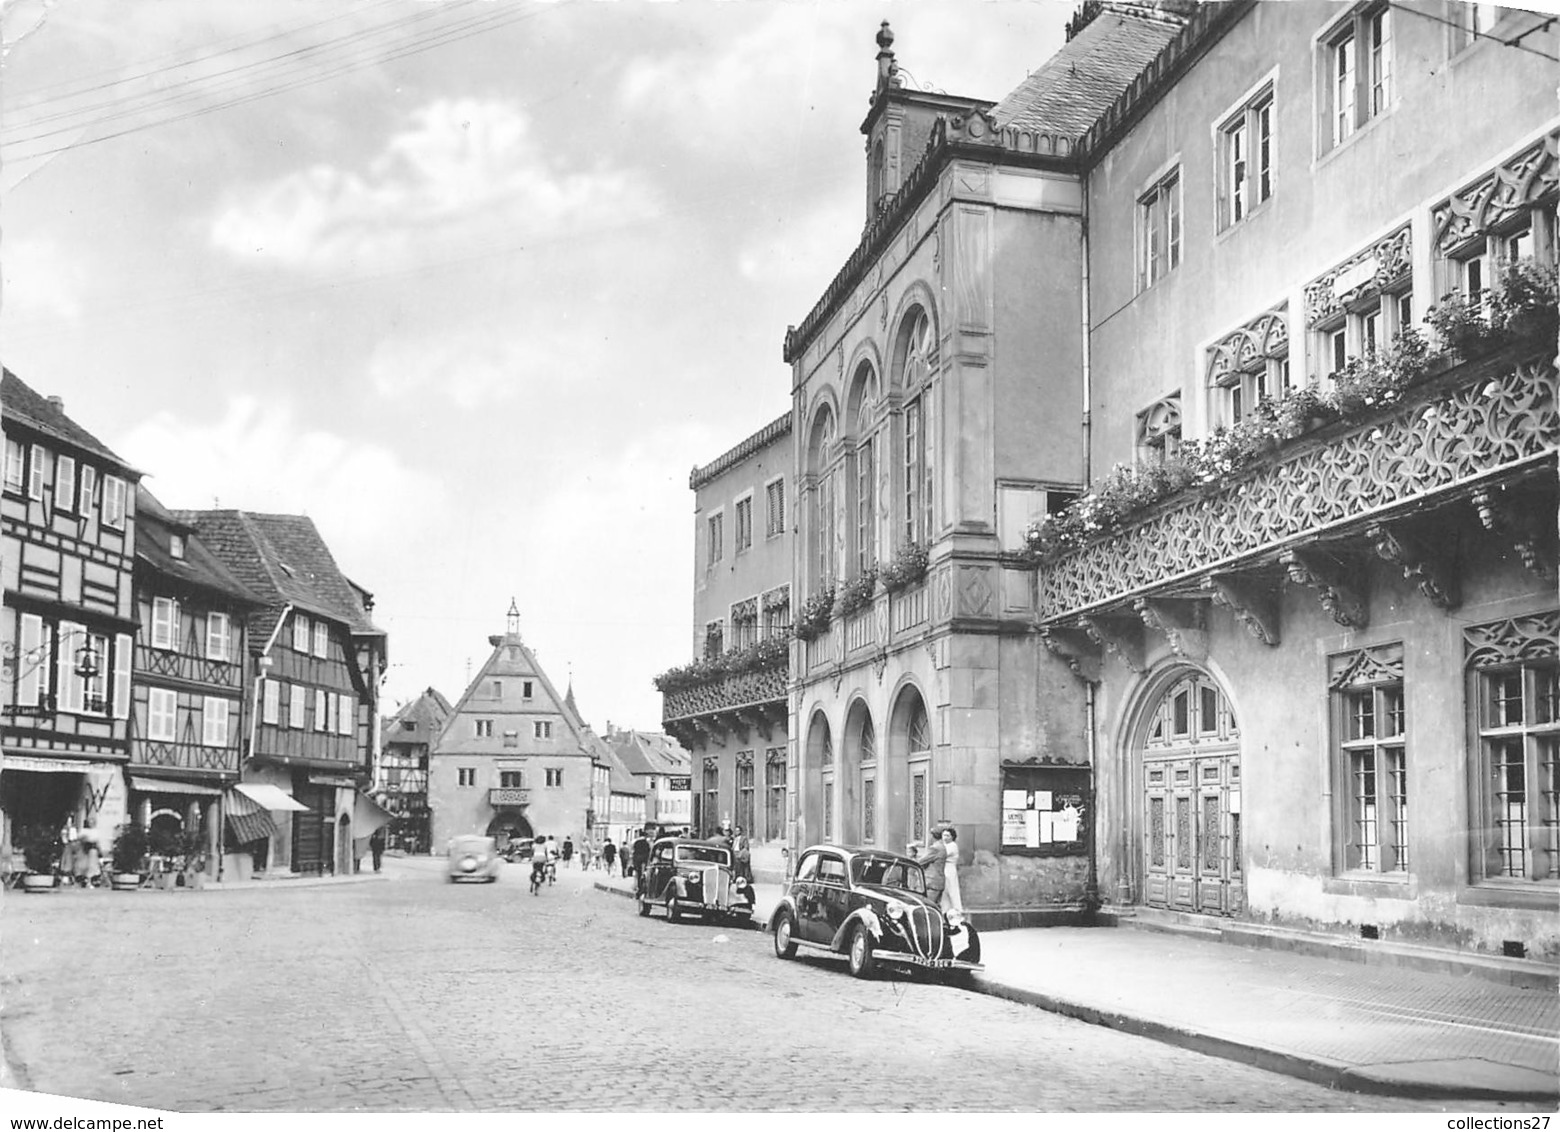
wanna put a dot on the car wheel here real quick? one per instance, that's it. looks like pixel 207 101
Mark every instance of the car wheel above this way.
pixel 862 962
pixel 785 929
pixel 673 913
pixel 644 906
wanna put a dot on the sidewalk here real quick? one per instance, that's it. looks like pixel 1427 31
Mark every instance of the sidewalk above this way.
pixel 1345 1025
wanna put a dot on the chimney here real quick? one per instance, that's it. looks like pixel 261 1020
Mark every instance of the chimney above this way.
pixel 58 402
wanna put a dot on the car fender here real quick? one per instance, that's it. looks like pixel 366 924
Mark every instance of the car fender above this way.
pixel 860 916
pixel 786 905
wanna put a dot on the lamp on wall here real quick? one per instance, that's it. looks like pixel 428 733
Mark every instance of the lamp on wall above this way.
pixel 88 663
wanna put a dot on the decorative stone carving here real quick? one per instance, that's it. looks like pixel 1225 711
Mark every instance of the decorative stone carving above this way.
pixel 880 664
pixel 1486 423
pixel 1264 337
pixel 1254 603
pixel 1426 567
pixel 1382 664
pixel 1343 602
pixel 1076 650
pixel 1377 267
pixel 883 310
pixel 1525 179
pixel 944 589
pixel 1522 530
pixel 975 592
pixel 1534 636
pixel 1181 622
pixel 1120 637
pixel 742 690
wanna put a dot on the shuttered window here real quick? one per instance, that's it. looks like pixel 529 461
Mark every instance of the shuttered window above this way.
pixel 34 667
pixel 214 716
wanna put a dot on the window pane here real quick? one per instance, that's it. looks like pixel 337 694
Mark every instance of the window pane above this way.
pixel 1509 794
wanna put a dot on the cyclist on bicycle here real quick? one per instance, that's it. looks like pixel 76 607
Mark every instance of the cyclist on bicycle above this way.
pixel 552 860
pixel 538 865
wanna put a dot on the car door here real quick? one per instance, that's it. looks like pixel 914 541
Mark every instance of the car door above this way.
pixel 833 897
pixel 659 874
pixel 804 895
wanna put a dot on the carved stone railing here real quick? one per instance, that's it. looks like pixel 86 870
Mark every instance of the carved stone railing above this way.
pixel 509 795
pixel 1472 423
pixel 824 649
pixel 907 609
pixel 742 690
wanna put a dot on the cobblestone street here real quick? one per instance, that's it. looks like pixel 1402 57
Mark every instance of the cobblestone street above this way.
pixel 411 994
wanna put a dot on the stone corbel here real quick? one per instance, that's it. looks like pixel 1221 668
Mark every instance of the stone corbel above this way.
pixel 1347 605
pixel 1120 636
pixel 1431 570
pixel 709 727
pixel 1182 623
pixel 1075 649
pixel 753 721
pixel 1254 603
pixel 1519 528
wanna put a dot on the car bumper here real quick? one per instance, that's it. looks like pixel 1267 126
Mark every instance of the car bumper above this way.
pixel 929 964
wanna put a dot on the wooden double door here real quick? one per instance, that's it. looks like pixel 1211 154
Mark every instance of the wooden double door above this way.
pixel 1192 803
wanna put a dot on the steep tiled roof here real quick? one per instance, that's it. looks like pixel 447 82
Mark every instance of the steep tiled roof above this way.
pixel 427 712
pixel 1077 84
pixel 622 779
pixel 283 559
pixel 19 402
pixel 199 566
pixel 649 752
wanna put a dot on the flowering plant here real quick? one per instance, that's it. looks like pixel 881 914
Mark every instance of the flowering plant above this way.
pixel 814 616
pixel 856 593
pixel 772 652
pixel 907 567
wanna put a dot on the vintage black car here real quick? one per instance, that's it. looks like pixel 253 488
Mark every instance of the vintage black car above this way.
pixel 871 905
pixel 687 876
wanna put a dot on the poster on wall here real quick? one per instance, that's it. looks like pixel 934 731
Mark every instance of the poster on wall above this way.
pixel 1046 810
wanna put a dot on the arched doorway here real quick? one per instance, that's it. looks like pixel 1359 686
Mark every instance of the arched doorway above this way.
pixel 1190 755
pixel 908 772
pixel 507 825
pixel 818 781
pixel 859 778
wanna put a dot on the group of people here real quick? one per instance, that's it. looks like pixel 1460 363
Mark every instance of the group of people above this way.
pixel 940 861
pixel 736 840
pixel 630 859
pixel 81 854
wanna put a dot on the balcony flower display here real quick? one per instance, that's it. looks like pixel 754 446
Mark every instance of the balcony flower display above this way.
pixel 770 653
pixel 814 616
pixel 907 567
pixel 856 593
pixel 1522 304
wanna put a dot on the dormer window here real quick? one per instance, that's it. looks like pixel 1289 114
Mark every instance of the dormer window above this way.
pixel 176 545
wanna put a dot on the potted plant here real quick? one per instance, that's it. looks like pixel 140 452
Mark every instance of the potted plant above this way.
pixel 129 854
pixel 907 567
pixel 40 849
pixel 192 859
pixel 814 616
pixel 856 593
pixel 1460 324
pixel 1523 301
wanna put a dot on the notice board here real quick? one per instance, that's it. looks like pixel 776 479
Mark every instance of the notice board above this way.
pixel 1047 811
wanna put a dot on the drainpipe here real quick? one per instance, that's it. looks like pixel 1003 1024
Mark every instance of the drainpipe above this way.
pixel 1092 894
pixel 1088 383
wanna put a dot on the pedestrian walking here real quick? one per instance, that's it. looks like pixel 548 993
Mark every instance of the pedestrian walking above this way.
pixel 376 846
pixel 933 862
pixel 742 854
pixel 568 851
pixel 608 854
pixel 951 900
pixel 641 856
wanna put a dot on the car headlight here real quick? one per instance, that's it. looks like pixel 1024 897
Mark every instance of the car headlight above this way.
pixel 896 910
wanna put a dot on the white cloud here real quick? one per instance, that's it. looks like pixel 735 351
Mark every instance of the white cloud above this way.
pixel 40 279
pixel 464 172
pixel 258 457
pixel 791 249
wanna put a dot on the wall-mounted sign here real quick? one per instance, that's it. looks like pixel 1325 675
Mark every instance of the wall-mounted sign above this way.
pixel 1047 810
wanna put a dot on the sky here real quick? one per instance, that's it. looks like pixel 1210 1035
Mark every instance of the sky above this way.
pixel 472 283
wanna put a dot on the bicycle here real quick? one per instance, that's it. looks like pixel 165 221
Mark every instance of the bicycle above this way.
pixel 552 872
pixel 538 868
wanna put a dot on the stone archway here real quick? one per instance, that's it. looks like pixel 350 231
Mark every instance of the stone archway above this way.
pixel 907 772
pixel 858 777
pixel 1187 753
pixel 507 825
pixel 818 781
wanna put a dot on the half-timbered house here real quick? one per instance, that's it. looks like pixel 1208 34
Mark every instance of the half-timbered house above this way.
pixel 67 545
pixel 313 707
pixel 188 681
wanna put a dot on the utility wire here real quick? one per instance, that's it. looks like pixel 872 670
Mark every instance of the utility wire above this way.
pixel 1462 27
pixel 440 38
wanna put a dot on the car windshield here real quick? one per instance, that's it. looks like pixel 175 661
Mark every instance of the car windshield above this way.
pixel 702 854
pixel 891 872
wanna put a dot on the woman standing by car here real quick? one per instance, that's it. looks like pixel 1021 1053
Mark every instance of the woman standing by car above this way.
pixel 951 900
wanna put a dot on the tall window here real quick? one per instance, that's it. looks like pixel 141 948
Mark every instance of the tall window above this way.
pixel 775 612
pixel 219 642
pixel 744 532
pixel 300 633
pixel 214 722
pixel 161 704
pixel 919 435
pixel 715 543
pixel 295 706
pixel 64 483
pixel 321 639
pixel 1372 759
pixel 774 497
pixel 1518 715
pixel 346 714
pixel 271 710
pixel 1159 230
pixel 774 792
pixel 1246 159
pixel 165 623
pixel 1358 67
pixel 321 710
pixel 866 471
pixel 15 465
pixel 823 516
pixel 744 816
pixel 711 805
pixel 39 457
pixel 113 502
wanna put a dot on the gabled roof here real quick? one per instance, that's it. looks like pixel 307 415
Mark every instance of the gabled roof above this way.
pixel 199 566
pixel 509 665
pixel 649 752
pixel 622 779
pixel 1081 81
pixel 283 559
pixel 19 402
pixel 427 713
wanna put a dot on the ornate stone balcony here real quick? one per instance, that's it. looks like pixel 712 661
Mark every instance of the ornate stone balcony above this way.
pixel 734 705
pixel 1465 435
pixel 508 796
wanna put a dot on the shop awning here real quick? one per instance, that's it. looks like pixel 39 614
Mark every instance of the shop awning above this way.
pixel 269 797
pixel 368 815
pixel 256 825
pixel 43 765
pixel 171 786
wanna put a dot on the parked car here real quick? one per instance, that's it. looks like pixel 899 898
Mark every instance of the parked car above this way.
pixel 472 857
pixel 871 906
pixel 519 849
pixel 689 876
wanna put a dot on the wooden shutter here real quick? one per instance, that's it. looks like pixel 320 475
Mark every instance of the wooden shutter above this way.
pixel 124 647
pixel 34 661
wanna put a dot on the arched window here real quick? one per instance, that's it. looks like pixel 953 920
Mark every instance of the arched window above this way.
pixel 823 513
pixel 864 478
pixel 918 349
